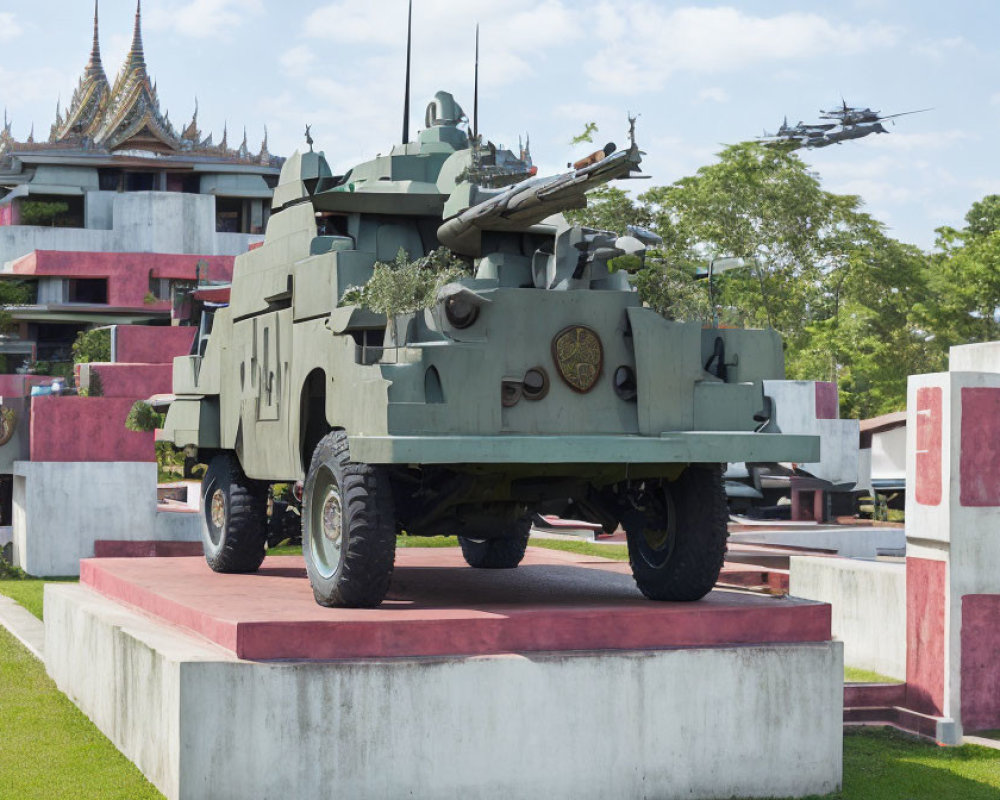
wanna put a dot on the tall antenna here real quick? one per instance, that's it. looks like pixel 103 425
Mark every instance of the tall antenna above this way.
pixel 475 102
pixel 406 99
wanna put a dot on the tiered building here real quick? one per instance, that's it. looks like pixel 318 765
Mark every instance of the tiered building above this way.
pixel 102 221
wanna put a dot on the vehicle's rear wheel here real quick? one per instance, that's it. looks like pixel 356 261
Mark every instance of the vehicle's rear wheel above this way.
pixel 677 533
pixel 348 527
pixel 234 509
pixel 505 553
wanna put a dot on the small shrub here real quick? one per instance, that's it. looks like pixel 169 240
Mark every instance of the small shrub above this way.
pixel 93 345
pixel 142 418
pixel 8 572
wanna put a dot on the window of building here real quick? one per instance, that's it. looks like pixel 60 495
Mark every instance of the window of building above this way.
pixel 51 211
pixel 110 180
pixel 88 290
pixel 229 215
pixel 141 181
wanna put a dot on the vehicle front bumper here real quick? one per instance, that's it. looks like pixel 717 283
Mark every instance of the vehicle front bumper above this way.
pixel 669 448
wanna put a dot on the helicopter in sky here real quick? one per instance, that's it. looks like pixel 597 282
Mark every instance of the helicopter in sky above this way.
pixel 848 115
pixel 850 123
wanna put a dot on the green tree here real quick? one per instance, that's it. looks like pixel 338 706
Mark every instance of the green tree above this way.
pixel 965 280
pixel 818 269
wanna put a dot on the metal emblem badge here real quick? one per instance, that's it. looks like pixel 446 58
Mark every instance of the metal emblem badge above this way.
pixel 579 357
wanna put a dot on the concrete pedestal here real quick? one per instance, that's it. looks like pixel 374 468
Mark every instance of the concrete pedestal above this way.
pixel 558 718
pixel 62 508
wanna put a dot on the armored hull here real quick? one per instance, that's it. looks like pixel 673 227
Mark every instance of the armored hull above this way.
pixel 537 382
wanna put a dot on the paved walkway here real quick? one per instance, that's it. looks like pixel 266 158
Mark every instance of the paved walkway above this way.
pixel 24 626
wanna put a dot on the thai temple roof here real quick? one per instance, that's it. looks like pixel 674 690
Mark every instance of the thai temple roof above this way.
pixel 106 119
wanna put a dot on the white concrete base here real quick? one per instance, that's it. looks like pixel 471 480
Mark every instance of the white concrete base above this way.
pixel 847 541
pixel 177 526
pixel 869 607
pixel 62 508
pixel 759 721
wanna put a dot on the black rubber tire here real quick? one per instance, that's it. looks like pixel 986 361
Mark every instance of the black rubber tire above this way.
pixel 238 545
pixel 364 559
pixel 505 553
pixel 688 565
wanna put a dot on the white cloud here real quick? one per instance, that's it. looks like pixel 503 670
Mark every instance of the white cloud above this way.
pixel 23 87
pixel 941 49
pixel 298 61
pixel 715 94
pixel 929 140
pixel 9 29
pixel 646 44
pixel 203 19
pixel 514 35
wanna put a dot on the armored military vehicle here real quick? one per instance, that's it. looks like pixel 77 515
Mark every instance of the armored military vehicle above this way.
pixel 539 382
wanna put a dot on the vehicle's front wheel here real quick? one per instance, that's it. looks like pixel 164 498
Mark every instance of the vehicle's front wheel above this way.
pixel 505 553
pixel 676 533
pixel 348 527
pixel 234 509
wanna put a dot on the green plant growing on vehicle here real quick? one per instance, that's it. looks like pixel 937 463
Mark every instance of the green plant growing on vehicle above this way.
pixel 404 286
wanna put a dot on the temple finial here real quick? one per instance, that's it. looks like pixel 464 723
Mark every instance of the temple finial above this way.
pixel 136 56
pixel 95 52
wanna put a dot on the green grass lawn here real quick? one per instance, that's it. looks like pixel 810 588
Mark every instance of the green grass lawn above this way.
pixel 885 765
pixel 856 675
pixel 48 748
pixel 28 592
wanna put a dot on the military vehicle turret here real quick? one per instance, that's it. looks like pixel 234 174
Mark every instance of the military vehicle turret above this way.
pixel 539 382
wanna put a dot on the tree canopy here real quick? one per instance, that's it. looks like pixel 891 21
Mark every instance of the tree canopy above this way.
pixel 853 304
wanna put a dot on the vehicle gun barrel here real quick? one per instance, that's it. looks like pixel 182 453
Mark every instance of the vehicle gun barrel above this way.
pixel 531 201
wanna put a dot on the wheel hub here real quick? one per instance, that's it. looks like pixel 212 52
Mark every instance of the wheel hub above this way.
pixel 332 517
pixel 219 509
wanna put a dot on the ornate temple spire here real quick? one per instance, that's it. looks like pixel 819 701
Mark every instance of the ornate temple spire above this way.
pixel 133 112
pixel 191 132
pixel 94 67
pixel 136 58
pixel 265 155
pixel 90 98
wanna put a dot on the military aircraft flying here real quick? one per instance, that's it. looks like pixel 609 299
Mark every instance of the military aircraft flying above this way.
pixel 848 115
pixel 851 123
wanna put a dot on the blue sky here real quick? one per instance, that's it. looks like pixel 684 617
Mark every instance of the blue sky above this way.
pixel 701 74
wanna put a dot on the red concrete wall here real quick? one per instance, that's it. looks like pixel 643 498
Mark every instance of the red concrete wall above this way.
pixel 980 457
pixel 136 381
pixel 127 273
pixel 929 453
pixel 143 344
pixel 980 662
pixel 926 583
pixel 86 429
pixel 827 401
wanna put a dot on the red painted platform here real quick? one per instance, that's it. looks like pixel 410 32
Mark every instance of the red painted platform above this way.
pixel 438 606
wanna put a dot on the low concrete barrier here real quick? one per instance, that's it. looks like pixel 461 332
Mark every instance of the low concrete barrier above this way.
pixel 869 607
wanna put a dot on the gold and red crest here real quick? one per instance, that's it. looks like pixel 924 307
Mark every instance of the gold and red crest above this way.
pixel 579 357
